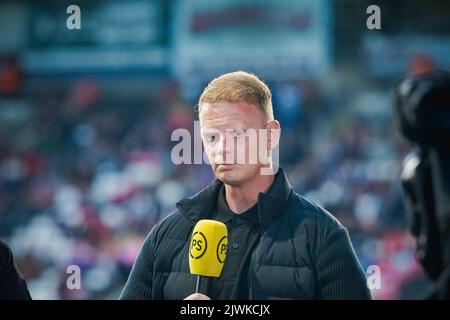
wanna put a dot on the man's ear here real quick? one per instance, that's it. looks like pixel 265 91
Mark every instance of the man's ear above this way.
pixel 274 133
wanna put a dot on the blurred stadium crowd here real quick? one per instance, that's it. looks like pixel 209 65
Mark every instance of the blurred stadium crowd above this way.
pixel 85 170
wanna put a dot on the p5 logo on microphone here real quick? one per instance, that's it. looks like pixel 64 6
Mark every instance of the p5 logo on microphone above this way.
pixel 199 244
pixel 222 249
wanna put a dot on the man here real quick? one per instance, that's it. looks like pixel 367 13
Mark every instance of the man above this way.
pixel 281 246
pixel 12 285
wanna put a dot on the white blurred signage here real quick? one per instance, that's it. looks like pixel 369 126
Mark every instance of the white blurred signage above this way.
pixel 279 39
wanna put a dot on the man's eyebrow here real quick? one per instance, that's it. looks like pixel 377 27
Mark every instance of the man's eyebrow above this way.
pixel 209 131
pixel 216 130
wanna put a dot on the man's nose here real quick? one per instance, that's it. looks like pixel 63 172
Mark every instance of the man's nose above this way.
pixel 225 148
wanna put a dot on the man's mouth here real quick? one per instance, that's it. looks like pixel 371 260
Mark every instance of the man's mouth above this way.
pixel 226 166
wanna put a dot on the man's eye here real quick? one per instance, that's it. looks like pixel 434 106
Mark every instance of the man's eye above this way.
pixel 211 138
pixel 237 133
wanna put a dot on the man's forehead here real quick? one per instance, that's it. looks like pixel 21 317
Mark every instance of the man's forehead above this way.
pixel 241 112
pixel 227 107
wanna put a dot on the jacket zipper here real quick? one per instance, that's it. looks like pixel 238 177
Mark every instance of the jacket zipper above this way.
pixel 252 258
pixel 251 274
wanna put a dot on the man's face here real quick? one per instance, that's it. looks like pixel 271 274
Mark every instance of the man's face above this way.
pixel 230 133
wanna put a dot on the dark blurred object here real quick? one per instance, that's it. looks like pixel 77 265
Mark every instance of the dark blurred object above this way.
pixel 12 285
pixel 422 115
pixel 10 76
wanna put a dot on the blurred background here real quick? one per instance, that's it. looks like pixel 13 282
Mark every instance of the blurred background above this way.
pixel 86 117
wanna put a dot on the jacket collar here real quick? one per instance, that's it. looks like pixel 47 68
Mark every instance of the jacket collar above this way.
pixel 270 204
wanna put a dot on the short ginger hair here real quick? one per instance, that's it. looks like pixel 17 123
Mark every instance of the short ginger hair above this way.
pixel 239 86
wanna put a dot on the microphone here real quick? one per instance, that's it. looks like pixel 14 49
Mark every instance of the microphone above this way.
pixel 208 249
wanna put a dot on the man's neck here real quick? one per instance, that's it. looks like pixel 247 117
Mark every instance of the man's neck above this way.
pixel 241 198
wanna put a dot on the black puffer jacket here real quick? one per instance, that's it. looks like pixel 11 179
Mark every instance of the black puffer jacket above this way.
pixel 12 285
pixel 302 253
